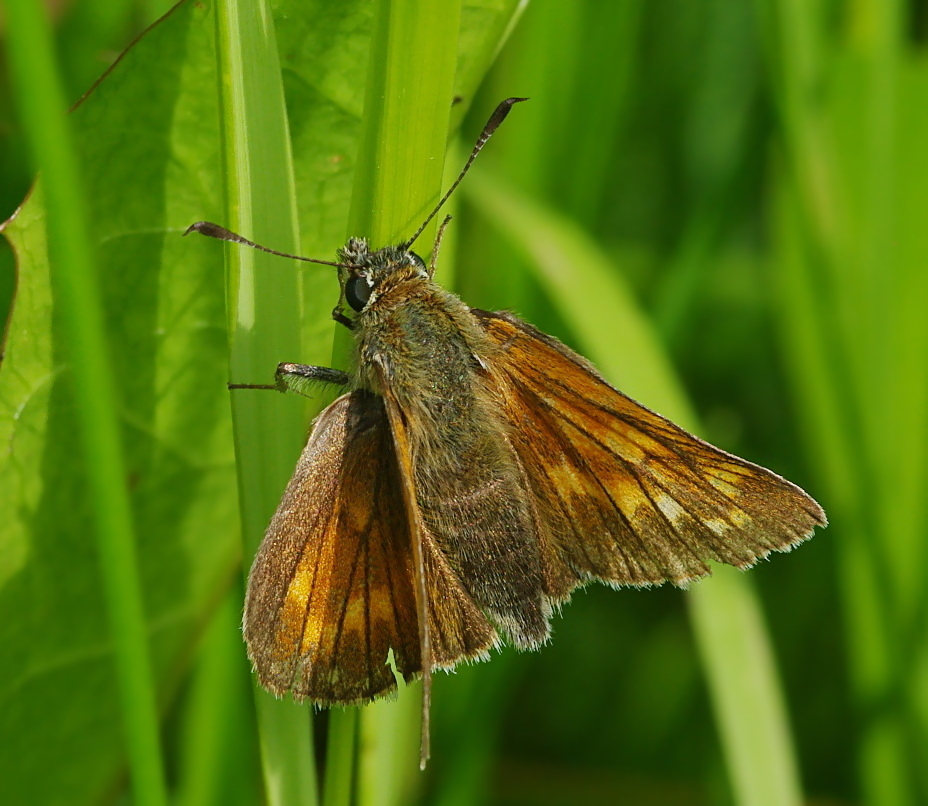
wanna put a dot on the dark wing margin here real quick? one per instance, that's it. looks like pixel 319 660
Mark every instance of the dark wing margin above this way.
pixel 628 497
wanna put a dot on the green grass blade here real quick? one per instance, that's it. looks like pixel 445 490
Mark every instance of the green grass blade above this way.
pixel 166 332
pixel 848 282
pixel 338 783
pixel 404 139
pixel 264 309
pixel 219 761
pixel 388 769
pixel 726 616
pixel 407 113
pixel 746 695
pixel 74 277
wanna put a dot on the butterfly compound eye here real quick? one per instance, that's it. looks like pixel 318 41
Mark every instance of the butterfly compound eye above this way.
pixel 357 292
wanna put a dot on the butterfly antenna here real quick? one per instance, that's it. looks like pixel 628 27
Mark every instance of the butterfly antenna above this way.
pixel 498 116
pixel 222 234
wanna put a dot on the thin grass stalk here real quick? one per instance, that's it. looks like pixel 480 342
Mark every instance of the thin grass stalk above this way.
pixel 214 716
pixel 398 176
pixel 77 298
pixel 839 282
pixel 264 323
pixel 886 776
pixel 338 783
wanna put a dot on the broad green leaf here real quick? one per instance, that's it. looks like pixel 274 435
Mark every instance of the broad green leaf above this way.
pixel 148 162
pixel 149 138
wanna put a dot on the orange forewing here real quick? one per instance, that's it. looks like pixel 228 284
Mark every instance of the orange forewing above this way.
pixel 332 588
pixel 626 496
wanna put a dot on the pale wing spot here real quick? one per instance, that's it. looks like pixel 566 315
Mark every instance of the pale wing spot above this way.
pixel 740 518
pixel 311 568
pixel 314 631
pixel 292 612
pixel 670 508
pixel 717 526
pixel 380 607
pixel 725 483
pixel 630 450
pixel 354 520
pixel 356 614
pixel 563 474
pixel 298 589
pixel 631 498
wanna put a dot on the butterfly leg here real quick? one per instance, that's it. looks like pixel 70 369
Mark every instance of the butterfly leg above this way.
pixel 300 378
pixel 339 316
pixel 304 379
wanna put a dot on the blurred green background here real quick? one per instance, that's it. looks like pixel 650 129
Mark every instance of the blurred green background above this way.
pixel 754 175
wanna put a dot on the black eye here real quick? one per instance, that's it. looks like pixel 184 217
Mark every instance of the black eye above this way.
pixel 416 259
pixel 357 292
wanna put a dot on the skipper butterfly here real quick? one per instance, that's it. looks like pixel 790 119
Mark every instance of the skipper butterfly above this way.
pixel 475 472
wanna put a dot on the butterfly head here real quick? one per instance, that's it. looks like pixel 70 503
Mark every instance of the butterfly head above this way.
pixel 365 274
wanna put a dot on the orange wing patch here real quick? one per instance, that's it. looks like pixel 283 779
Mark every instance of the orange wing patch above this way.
pixel 331 590
pixel 627 496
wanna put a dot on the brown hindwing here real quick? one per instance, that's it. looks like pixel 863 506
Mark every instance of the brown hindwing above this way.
pixel 457 628
pixel 627 496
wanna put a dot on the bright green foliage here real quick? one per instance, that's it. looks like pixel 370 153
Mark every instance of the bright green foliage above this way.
pixel 149 137
pixel 143 175
pixel 721 196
